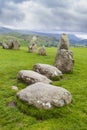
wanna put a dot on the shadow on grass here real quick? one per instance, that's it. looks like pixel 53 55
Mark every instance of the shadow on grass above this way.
pixel 41 114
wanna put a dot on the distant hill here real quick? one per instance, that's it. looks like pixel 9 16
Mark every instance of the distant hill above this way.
pixel 84 41
pixel 53 36
pixel 4 30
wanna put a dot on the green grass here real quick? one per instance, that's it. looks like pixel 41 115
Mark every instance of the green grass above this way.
pixel 22 117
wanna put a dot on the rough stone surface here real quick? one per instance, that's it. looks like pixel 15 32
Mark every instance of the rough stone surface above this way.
pixel 5 46
pixel 14 44
pixel 64 42
pixel 14 88
pixel 11 44
pixel 64 61
pixel 31 77
pixel 42 51
pixel 45 96
pixel 32 47
pixel 47 70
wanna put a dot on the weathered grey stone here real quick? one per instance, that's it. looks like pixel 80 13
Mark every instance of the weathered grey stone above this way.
pixel 14 88
pixel 31 77
pixel 42 51
pixel 14 44
pixel 64 58
pixel 45 96
pixel 5 46
pixel 64 61
pixel 64 42
pixel 32 47
pixel 11 44
pixel 47 70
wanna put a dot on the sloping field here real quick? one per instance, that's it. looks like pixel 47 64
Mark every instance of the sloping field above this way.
pixel 72 117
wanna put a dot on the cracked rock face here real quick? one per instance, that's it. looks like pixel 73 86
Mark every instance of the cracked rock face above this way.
pixel 11 44
pixel 14 44
pixel 47 70
pixel 30 77
pixel 64 42
pixel 32 47
pixel 45 96
pixel 42 51
pixel 5 46
pixel 64 61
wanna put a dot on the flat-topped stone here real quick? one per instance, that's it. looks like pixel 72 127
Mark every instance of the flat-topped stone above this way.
pixel 45 96
pixel 47 70
pixel 31 77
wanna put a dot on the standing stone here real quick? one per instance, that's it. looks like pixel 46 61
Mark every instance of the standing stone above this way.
pixel 42 51
pixel 64 42
pixel 32 47
pixel 64 58
pixel 45 96
pixel 14 44
pixel 11 44
pixel 64 61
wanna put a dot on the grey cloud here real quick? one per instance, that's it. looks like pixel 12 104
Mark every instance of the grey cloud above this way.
pixel 10 14
pixel 16 1
pixel 67 15
pixel 64 15
pixel 55 3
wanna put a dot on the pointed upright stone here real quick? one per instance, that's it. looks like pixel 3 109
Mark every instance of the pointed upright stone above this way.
pixel 64 60
pixel 32 47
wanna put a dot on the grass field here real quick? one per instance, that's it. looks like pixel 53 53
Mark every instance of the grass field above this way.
pixel 72 117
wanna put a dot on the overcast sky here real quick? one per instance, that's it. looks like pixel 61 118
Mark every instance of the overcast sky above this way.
pixel 45 15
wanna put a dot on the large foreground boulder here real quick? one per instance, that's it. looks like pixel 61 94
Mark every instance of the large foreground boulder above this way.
pixel 45 96
pixel 48 70
pixel 30 77
pixel 64 61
